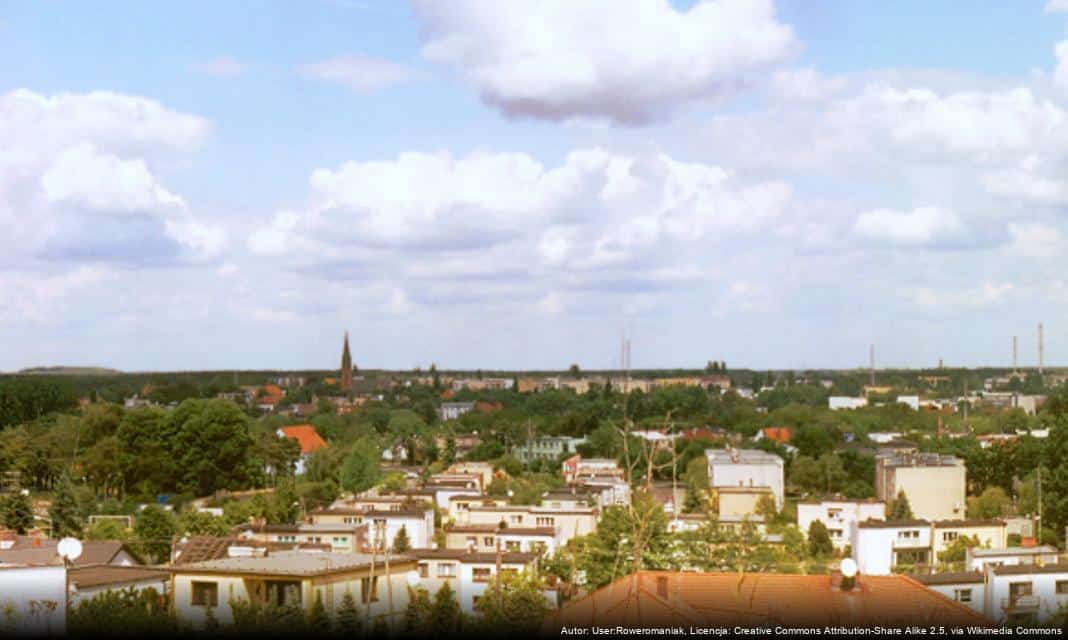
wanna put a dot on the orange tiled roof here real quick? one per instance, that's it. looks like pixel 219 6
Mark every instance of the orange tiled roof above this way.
pixel 781 435
pixel 663 599
pixel 272 394
pixel 306 435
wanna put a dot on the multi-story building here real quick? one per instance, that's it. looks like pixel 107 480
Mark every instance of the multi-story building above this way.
pixel 350 537
pixel 489 538
pixel 548 448
pixel 990 534
pixel 469 574
pixel 837 403
pixel 294 578
pixel 881 545
pixel 568 523
pixel 746 468
pixel 839 516
pixel 453 410
pixel 1012 596
pixel 933 483
pixel 978 559
pixel 417 520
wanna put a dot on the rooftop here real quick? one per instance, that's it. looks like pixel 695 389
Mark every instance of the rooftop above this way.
pixel 1026 569
pixel 1011 551
pixel 952 577
pixel 306 436
pixel 742 456
pixel 294 563
pixel 105 575
pixel 892 524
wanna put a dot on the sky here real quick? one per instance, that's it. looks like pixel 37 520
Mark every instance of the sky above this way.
pixel 477 184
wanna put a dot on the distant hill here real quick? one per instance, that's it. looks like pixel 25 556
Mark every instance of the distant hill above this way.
pixel 69 371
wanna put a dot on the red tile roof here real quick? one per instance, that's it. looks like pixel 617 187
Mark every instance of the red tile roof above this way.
pixel 665 599
pixel 306 435
pixel 781 435
pixel 271 394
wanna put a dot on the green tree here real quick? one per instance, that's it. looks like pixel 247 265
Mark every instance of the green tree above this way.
pixel 819 540
pixel 627 539
pixel 153 532
pixel 210 445
pixel 992 503
pixel 64 510
pixel 417 617
pixel 348 616
pixel 362 467
pixel 401 543
pixel 137 613
pixel 899 508
pixel 16 512
pixel 318 620
pixel 1054 470
pixel 106 530
pixel 445 614
pixel 513 604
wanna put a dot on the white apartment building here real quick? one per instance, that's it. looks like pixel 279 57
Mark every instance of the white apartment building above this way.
pixel 469 574
pixel 839 516
pixel 33 599
pixel 980 559
pixel 567 523
pixel 417 521
pixel 933 483
pixel 1025 594
pixel 837 403
pixel 881 545
pixel 487 538
pixel 746 468
pixel 342 537
pixel 965 587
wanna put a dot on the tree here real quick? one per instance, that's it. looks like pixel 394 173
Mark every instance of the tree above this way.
pixel 445 614
pixel 64 510
pixel 210 445
pixel 957 551
pixel 513 604
pixel 575 371
pixel 627 539
pixel 1053 469
pixel 417 616
pixel 137 613
pixel 153 532
pixel 992 503
pixel 16 512
pixel 106 530
pixel 401 543
pixel 348 617
pixel 362 467
pixel 318 620
pixel 899 508
pixel 819 540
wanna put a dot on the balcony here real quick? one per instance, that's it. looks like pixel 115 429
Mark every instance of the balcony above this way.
pixel 1021 603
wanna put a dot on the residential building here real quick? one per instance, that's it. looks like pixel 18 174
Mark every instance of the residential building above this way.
pixel 453 410
pixel 913 402
pixel 33 599
pixel 746 468
pixel 469 574
pixel 738 502
pixel 293 578
pixel 933 483
pixel 416 520
pixel 879 546
pixel 548 448
pixel 877 390
pixel 482 469
pixel 965 587
pixel 678 381
pixel 38 550
pixel 979 559
pixel 347 537
pixel 839 516
pixel 89 581
pixel 487 538
pixel 460 505
pixel 837 403
pixel 576 469
pixel 1025 595
pixel 309 440
pixel 991 534
pixel 568 523
pixel 662 599
pixel 782 435
pixel 268 396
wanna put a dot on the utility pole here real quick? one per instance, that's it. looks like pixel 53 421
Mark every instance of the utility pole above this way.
pixel 964 423
pixel 498 571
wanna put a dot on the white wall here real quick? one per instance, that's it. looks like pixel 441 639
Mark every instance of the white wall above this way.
pixel 1043 586
pixel 874 547
pixel 744 474
pixel 37 600
pixel 839 516
pixel 846 402
pixel 977 603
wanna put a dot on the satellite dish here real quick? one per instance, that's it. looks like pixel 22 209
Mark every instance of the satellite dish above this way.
pixel 848 567
pixel 413 578
pixel 69 548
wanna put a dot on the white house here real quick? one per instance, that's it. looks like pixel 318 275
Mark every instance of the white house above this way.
pixel 416 520
pixel 837 403
pixel 979 559
pixel 881 545
pixel 839 516
pixel 33 600
pixel 746 468
pixel 934 483
pixel 1025 594
pixel 87 582
pixel 469 574
pixel 965 587
pixel 912 402
pixel 453 410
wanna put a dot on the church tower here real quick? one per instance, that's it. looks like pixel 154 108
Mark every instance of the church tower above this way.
pixel 346 366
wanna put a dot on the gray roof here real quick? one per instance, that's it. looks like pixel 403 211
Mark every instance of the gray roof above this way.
pixel 953 577
pixel 1011 551
pixel 294 563
pixel 742 456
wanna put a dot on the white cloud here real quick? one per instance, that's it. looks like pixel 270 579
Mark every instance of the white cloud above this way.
pixel 1028 182
pixel 358 72
pixel 82 176
pixel 1056 5
pixel 224 67
pixel 806 85
pixel 985 295
pixel 1037 241
pixel 922 226
pixel 745 297
pixel 1060 73
pixel 629 62
pixel 40 298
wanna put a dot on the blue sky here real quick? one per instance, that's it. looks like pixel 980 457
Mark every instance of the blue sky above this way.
pixel 775 184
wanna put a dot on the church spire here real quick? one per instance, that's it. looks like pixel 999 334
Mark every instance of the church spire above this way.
pixel 346 366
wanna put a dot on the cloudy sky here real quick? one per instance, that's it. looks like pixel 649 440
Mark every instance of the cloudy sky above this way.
pixel 474 183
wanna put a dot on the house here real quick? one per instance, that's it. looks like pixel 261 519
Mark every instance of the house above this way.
pixel 991 534
pixel 837 403
pixel 965 587
pixel 978 559
pixel 460 505
pixel 453 410
pixel 31 550
pixel 913 402
pixel 309 440
pixel 351 537
pixel 293 578
pixel 577 468
pixel 781 435
pixel 746 468
pixel 839 516
pixel 659 599
pixel 469 574
pixel 567 523
pixel 89 581
pixel 933 483
pixel 548 448
pixel 417 521
pixel 1026 595
pixel 488 538
pixel 268 396
pixel 678 381
pixel 482 469
pixel 33 599
pixel 879 546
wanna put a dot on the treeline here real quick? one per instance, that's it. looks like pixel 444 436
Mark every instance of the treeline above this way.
pixel 27 398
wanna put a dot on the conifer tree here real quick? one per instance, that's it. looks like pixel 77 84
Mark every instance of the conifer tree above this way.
pixel 401 542
pixel 899 507
pixel 64 510
pixel 16 512
pixel 348 617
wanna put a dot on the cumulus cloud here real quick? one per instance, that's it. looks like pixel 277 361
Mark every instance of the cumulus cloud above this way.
pixel 76 179
pixel 923 226
pixel 1037 241
pixel 38 298
pixel 224 67
pixel 629 62
pixel 1060 72
pixel 597 221
pixel 361 73
pixel 1031 181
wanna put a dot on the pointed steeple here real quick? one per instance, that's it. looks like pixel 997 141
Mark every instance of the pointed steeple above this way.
pixel 346 366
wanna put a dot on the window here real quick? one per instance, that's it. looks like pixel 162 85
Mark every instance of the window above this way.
pixel 424 570
pixel 546 522
pixel 1062 587
pixel 834 514
pixel 517 519
pixel 482 574
pixel 340 540
pixel 488 541
pixel 962 595
pixel 512 545
pixel 446 570
pixel 949 536
pixel 369 590
pixel 472 541
pixel 205 594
